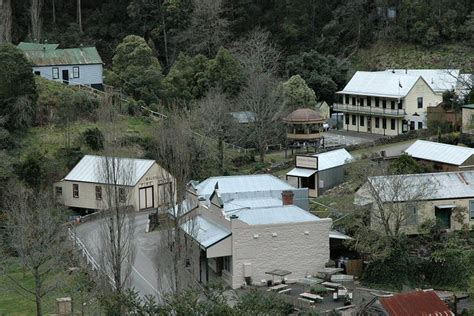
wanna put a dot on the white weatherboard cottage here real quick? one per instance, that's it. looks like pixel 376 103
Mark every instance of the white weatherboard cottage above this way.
pixel 71 66
pixel 84 186
pixel 245 226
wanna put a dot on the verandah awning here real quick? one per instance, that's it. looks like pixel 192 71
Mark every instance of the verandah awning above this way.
pixel 301 172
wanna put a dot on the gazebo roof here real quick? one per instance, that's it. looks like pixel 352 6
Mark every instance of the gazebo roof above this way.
pixel 303 116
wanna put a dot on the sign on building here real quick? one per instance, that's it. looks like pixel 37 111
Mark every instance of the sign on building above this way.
pixel 308 162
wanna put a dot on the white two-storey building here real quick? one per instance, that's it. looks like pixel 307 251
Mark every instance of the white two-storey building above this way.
pixel 386 102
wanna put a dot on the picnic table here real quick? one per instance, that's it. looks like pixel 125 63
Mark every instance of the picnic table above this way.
pixel 313 297
pixel 331 284
pixel 277 287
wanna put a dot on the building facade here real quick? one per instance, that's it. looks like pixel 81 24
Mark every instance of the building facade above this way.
pixel 319 172
pixel 72 66
pixel 246 226
pixel 145 185
pixel 385 103
pixel 446 198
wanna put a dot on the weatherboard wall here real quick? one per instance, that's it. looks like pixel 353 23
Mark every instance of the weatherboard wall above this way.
pixel 88 74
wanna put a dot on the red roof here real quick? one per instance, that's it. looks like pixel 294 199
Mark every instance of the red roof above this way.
pixel 418 303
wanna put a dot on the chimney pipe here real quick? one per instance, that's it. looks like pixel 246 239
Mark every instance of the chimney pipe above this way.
pixel 287 197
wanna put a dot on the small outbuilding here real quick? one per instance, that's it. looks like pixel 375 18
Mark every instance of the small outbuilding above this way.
pixel 443 157
pixel 304 129
pixel 319 172
pixel 145 183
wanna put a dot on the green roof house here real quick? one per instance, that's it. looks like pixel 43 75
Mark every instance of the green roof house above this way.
pixel 71 66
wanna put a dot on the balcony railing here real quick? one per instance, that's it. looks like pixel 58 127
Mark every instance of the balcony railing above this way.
pixel 368 110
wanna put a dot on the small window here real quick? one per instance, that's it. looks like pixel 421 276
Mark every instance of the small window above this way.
pixel 420 102
pixel 353 101
pixel 122 195
pixel 226 263
pixel 471 210
pixel 377 122
pixel 98 193
pixel 55 73
pixel 369 101
pixel 37 73
pixel 347 98
pixel 361 102
pixel 384 123
pixel 412 215
pixel 400 105
pixel 75 72
pixel 377 102
pixel 347 119
pixel 392 124
pixel 354 122
pixel 75 190
pixel 392 104
pixel 420 125
pixel 59 191
pixel 361 120
pixel 384 103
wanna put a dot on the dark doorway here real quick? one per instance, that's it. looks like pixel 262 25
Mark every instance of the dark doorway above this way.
pixel 443 217
pixel 65 73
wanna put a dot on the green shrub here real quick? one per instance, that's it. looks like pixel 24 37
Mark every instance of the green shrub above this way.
pixel 318 289
pixel 93 138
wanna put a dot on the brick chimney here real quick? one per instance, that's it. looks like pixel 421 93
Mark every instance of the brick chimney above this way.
pixel 287 197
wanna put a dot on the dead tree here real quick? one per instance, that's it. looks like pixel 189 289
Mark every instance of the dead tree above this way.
pixel 33 229
pixel 79 16
pixel 118 219
pixel 5 21
pixel 172 143
pixel 212 117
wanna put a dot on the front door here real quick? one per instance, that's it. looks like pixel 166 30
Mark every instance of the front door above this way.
pixel 369 124
pixel 65 76
pixel 443 217
pixel 146 198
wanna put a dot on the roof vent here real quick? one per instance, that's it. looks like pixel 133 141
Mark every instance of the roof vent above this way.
pixel 233 216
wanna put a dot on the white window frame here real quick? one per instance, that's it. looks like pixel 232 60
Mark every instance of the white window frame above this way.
pixel 55 74
pixel 471 210
pixel 75 193
pixel 74 73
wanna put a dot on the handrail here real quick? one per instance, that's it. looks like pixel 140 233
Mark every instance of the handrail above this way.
pixel 89 258
pixel 368 109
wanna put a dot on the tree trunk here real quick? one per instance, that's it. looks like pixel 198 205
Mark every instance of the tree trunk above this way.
pixel 79 16
pixel 220 149
pixel 5 21
pixel 165 35
pixel 36 22
pixel 54 12
pixel 39 310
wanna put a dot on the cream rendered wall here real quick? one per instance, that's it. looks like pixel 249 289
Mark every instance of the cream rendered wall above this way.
pixel 426 211
pixel 291 249
pixel 467 115
pixel 420 89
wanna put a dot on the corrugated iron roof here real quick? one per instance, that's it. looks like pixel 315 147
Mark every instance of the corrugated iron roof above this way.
pixel 418 303
pixel 243 116
pixel 423 186
pixel 445 153
pixel 204 231
pixel 439 80
pixel 90 167
pixel 244 183
pixel 333 158
pixel 70 56
pixel 36 46
pixel 283 214
pixel 239 204
pixel 380 83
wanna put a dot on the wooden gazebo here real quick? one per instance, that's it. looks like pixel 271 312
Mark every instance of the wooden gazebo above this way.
pixel 304 129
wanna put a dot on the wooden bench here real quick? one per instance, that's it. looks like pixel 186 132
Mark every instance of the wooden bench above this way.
pixel 285 291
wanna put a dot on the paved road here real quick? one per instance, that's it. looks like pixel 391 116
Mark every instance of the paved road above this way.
pixel 144 276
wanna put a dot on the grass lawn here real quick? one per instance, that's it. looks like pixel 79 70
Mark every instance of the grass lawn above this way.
pixel 16 302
